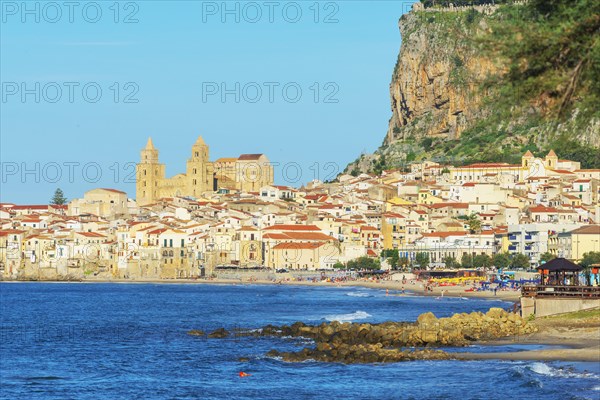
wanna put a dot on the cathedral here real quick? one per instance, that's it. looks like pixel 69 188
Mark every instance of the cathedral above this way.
pixel 247 173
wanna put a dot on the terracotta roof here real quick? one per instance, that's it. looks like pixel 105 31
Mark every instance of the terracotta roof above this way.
pixel 285 227
pixel 226 159
pixel 297 246
pixel 249 157
pixel 10 232
pixel 30 207
pixel 157 231
pixel 540 208
pixel 588 230
pixel 90 234
pixel 113 190
pixel 368 228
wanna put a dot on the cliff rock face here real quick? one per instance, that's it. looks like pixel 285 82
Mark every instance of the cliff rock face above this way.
pixel 433 89
pixel 455 97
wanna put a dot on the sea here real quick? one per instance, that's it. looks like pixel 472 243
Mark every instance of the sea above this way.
pixel 130 341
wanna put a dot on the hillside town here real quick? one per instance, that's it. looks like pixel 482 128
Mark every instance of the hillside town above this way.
pixel 428 215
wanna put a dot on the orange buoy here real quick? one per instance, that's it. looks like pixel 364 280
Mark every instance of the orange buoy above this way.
pixel 243 374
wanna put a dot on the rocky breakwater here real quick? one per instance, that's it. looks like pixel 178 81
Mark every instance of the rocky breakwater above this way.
pixel 394 341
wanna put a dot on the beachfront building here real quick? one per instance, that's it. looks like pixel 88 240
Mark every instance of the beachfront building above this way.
pixel 533 239
pixel 456 245
pixel 584 240
pixel 304 256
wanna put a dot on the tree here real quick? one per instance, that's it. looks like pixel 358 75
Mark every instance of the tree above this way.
pixel 466 261
pixel 482 261
pixel 364 263
pixel 339 265
pixel 392 255
pixel 501 260
pixel 590 258
pixel 59 198
pixel 451 262
pixel 403 262
pixel 547 256
pixel 474 223
pixel 422 259
pixel 519 261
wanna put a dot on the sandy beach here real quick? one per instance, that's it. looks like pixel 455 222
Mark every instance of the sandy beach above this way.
pixel 409 288
pixel 578 333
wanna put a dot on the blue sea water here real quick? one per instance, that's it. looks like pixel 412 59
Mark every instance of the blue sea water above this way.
pixel 129 341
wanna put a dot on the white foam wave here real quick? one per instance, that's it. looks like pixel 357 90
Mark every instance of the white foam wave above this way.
pixel 544 369
pixel 348 317
pixel 359 294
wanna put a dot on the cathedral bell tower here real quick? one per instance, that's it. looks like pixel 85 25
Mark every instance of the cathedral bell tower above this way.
pixel 199 170
pixel 148 174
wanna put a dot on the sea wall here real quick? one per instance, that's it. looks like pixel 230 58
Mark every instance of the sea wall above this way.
pixel 544 307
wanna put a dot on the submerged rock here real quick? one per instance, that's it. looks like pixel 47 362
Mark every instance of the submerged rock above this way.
pixel 219 333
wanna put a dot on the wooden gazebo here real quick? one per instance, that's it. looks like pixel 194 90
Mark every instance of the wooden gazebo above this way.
pixel 559 272
pixel 560 279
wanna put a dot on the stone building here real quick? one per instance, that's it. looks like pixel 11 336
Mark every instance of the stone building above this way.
pixel 246 173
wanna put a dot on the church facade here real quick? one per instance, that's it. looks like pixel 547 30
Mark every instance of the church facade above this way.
pixel 246 173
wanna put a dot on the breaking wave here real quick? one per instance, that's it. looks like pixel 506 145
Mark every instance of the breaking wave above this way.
pixel 544 369
pixel 359 294
pixel 348 317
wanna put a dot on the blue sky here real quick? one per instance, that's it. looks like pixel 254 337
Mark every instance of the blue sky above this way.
pixel 84 87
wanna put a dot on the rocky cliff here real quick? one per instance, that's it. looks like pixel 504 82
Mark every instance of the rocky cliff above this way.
pixel 459 92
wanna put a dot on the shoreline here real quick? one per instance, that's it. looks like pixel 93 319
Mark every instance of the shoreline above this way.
pixel 579 339
pixel 413 289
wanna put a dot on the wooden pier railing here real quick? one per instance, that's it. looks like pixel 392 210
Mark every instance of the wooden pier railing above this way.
pixel 543 291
